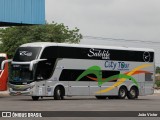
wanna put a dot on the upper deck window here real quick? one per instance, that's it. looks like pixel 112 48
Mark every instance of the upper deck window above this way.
pixel 26 54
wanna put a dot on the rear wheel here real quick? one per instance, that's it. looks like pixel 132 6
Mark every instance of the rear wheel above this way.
pixel 35 98
pixel 133 93
pixel 58 94
pixel 122 93
pixel 101 97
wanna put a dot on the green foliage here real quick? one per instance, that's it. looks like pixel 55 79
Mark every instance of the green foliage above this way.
pixel 157 82
pixel 13 37
pixel 157 69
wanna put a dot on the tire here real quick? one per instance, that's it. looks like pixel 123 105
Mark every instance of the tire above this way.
pixel 101 97
pixel 35 98
pixel 58 94
pixel 133 93
pixel 122 93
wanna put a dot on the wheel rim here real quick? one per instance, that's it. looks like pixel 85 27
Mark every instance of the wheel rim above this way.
pixel 133 93
pixel 59 92
pixel 122 93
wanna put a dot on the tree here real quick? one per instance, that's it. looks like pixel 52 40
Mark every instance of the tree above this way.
pixel 13 37
pixel 157 69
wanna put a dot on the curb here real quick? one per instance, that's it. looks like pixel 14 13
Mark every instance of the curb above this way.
pixel 156 90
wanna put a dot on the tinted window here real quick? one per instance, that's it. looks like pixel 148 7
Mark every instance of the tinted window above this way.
pixel 25 54
pixel 108 54
pixel 20 74
pixel 45 69
pixel 149 77
pixel 49 52
pixel 72 75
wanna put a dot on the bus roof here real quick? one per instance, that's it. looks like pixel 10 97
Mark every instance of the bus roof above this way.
pixel 46 44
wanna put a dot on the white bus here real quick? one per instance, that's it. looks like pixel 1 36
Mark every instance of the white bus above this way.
pixel 44 69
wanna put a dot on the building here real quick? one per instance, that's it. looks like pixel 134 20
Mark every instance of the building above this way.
pixel 22 12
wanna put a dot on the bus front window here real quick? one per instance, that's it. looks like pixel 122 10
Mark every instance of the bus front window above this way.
pixel 21 73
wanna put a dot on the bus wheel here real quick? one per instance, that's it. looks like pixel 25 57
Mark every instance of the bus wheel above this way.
pixel 122 93
pixel 35 98
pixel 58 93
pixel 133 93
pixel 101 97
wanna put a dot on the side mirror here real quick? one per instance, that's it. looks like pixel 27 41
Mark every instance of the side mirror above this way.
pixel 4 62
pixel 34 62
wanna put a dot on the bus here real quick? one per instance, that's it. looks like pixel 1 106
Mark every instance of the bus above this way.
pixel 3 72
pixel 45 69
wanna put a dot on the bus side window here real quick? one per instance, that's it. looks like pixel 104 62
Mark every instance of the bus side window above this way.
pixel 45 69
pixel 148 76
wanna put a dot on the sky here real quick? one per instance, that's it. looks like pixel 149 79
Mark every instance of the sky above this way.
pixel 121 20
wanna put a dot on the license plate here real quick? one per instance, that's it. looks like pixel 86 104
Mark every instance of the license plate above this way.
pixel 18 93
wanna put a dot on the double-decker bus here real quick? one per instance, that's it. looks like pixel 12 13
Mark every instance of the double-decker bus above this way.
pixel 3 72
pixel 56 70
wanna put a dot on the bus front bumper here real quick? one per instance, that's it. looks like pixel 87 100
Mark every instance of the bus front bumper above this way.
pixel 21 89
pixel 15 93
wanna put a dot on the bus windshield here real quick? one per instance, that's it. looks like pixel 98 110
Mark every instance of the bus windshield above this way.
pixel 26 54
pixel 21 73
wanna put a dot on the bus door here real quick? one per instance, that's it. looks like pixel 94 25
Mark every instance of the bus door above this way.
pixel 41 78
pixel 149 82
pixel 40 88
pixel 145 83
pixel 44 72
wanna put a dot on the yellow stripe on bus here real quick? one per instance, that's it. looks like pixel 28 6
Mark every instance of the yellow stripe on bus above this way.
pixel 122 80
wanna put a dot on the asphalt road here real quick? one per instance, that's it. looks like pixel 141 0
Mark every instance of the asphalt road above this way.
pixel 25 103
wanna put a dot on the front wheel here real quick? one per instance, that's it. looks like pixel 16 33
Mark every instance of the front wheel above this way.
pixel 35 98
pixel 58 94
pixel 133 93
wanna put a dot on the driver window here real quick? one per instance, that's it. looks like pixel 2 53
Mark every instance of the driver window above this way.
pixel 44 69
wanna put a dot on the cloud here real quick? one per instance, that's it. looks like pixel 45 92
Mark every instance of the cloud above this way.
pixel 127 19
pixel 131 19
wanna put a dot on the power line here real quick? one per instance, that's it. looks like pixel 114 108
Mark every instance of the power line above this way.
pixel 104 38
